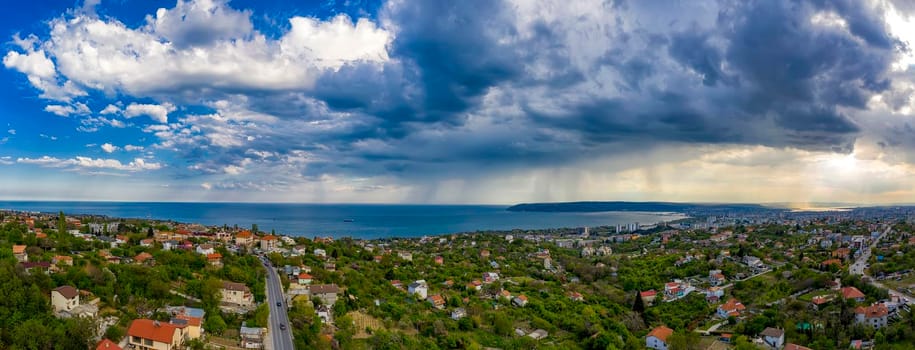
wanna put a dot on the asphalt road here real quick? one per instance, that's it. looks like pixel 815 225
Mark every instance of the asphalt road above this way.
pixel 282 339
pixel 860 265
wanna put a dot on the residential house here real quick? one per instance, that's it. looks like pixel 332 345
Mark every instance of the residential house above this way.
pixel 408 256
pixel 714 294
pixel 505 294
pixel 145 334
pixel 106 344
pixel 169 245
pixel 439 260
pixel 326 293
pixel 657 338
pixel 484 253
pixel 236 294
pixel 244 238
pixel 520 300
pixel 64 298
pixel 752 261
pixel 773 337
pixel 475 285
pixel 874 315
pixel 191 326
pixel 437 301
pixel 419 288
pixel 214 259
pixel 320 253
pixel 62 260
pixel 576 296
pixel 305 278
pixel 716 278
pixel 148 242
pixel 269 243
pixel 819 301
pixel 490 277
pixel 251 338
pixel 329 266
pixel 648 296
pixel 458 313
pixel 325 313
pixel 731 308
pixel 205 249
pixel 853 293
pixel 143 258
pixel 20 253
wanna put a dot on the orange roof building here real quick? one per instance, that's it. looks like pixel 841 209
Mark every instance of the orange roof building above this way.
pixel 852 293
pixel 106 344
pixel 163 335
pixel 660 334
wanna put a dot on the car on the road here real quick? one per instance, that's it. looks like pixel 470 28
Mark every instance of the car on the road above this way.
pixel 279 303
pixel 282 326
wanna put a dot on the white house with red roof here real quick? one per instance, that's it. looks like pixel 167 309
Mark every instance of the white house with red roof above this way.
pixel 732 307
pixel 149 334
pixel 874 315
pixel 657 338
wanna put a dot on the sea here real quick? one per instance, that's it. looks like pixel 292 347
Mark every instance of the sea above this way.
pixel 366 221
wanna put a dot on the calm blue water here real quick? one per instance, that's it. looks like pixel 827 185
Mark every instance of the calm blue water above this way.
pixel 369 221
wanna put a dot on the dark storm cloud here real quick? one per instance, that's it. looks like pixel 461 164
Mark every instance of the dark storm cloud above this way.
pixel 761 73
pixel 766 75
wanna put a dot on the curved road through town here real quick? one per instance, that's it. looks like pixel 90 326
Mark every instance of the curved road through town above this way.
pixel 860 267
pixel 280 338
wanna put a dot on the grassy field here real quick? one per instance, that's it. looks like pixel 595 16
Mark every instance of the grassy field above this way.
pixel 362 321
pixel 808 297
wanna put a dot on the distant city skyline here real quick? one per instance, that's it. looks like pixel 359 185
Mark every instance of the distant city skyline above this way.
pixel 482 102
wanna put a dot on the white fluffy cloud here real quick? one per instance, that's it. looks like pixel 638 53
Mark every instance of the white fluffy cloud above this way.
pixel 79 162
pixel 109 148
pixel 158 112
pixel 163 57
pixel 67 110
pixel 200 22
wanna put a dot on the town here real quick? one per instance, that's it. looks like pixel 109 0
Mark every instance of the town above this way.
pixel 804 280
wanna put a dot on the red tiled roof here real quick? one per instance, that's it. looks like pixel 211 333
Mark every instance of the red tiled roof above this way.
pixel 732 305
pixel 143 257
pixel 106 344
pixel 851 293
pixel 305 276
pixel 873 311
pixel 148 329
pixel 66 291
pixel 661 333
pixel 648 293
pixel 18 249
pixel 214 256
pixel 792 346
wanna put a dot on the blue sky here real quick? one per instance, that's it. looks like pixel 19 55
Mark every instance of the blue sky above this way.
pixel 458 102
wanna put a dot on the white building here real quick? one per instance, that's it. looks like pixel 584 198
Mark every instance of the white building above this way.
pixel 875 315
pixel 773 337
pixel 657 338
pixel 419 288
pixel 64 298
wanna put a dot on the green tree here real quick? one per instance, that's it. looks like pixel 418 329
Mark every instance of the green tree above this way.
pixel 61 225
